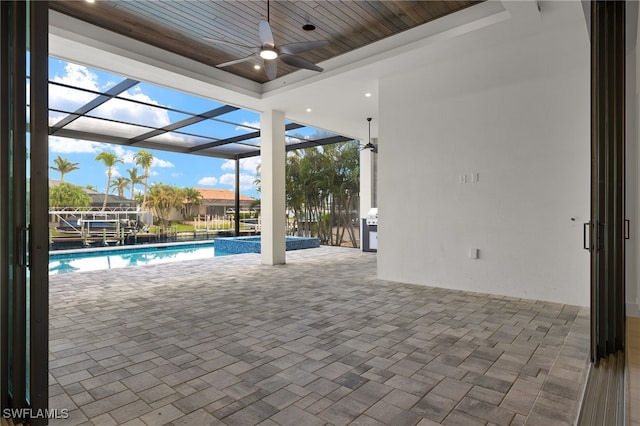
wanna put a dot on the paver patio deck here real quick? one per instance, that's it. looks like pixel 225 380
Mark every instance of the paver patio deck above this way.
pixel 319 341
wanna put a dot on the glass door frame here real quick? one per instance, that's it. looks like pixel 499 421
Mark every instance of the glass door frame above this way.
pixel 39 202
pixel 606 226
pixel 24 251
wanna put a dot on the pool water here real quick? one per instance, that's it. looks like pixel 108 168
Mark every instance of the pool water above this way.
pixel 109 258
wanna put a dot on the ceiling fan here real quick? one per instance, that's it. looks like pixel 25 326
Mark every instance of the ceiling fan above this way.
pixel 369 145
pixel 268 51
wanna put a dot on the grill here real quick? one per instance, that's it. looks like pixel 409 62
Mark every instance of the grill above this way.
pixel 372 217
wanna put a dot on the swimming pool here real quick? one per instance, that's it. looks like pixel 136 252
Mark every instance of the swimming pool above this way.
pixel 65 261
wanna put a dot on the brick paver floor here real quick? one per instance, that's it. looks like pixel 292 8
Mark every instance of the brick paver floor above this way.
pixel 318 341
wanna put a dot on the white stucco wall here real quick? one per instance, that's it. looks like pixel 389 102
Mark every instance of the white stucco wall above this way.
pixel 515 112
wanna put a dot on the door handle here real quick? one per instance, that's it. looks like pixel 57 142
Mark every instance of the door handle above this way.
pixel 627 233
pixel 593 236
pixel 23 243
pixel 586 233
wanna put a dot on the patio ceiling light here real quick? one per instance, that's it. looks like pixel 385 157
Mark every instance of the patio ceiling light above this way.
pixel 268 53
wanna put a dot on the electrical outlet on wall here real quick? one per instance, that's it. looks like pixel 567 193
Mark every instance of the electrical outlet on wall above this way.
pixel 463 178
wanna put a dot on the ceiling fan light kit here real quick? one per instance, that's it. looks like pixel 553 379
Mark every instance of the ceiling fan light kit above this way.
pixel 268 54
pixel 268 51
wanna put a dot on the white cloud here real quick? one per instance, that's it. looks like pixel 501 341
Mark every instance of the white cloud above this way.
pixel 67 99
pixel 247 164
pixel 246 181
pixel 250 164
pixel 228 179
pixel 228 165
pixel 78 76
pixel 208 181
pixel 66 146
pixel 161 163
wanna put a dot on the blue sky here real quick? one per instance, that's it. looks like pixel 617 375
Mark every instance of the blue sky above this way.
pixel 170 168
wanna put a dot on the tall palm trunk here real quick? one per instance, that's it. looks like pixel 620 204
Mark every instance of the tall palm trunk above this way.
pixel 146 188
pixel 106 193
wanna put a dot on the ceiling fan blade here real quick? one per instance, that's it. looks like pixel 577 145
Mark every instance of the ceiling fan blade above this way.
pixel 294 61
pixel 270 68
pixel 236 61
pixel 266 35
pixel 295 48
pixel 229 43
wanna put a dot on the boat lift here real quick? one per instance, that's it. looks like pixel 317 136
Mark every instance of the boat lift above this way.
pixel 95 225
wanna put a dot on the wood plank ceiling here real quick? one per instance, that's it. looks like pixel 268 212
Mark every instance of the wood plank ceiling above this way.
pixel 181 26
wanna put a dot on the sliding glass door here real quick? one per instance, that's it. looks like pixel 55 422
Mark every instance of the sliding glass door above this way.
pixel 23 210
pixel 606 228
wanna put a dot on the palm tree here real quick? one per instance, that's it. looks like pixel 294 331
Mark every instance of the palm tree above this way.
pixel 193 198
pixel 163 199
pixel 120 183
pixel 109 159
pixel 144 159
pixel 134 179
pixel 64 166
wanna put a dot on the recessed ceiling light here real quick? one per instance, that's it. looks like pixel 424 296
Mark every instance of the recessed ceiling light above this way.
pixel 256 67
pixel 308 109
pixel 91 1
pixel 368 94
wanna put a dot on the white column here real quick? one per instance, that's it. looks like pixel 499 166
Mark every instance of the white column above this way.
pixel 366 185
pixel 272 178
